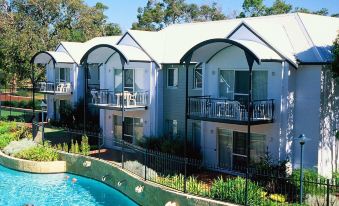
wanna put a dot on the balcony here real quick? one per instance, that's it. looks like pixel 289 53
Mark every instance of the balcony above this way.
pixel 55 88
pixel 230 111
pixel 130 101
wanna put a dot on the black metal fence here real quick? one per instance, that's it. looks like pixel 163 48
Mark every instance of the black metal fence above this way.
pixel 194 177
pixel 16 104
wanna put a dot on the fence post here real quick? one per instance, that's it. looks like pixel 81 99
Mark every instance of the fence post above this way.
pixel 328 192
pixel 122 154
pixel 185 176
pixel 145 163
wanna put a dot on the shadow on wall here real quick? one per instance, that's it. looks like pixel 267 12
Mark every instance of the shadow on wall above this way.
pixel 329 111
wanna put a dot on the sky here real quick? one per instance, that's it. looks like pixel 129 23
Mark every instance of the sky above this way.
pixel 124 12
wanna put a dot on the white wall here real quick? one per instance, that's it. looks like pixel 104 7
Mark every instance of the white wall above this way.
pixel 149 116
pixel 234 58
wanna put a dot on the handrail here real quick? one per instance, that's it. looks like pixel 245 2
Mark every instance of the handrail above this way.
pixel 225 109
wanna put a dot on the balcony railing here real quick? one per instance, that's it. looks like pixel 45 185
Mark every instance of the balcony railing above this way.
pixel 230 111
pixel 55 88
pixel 116 100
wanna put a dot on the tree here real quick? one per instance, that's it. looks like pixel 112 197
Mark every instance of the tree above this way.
pixel 29 26
pixel 322 11
pixel 156 15
pixel 253 8
pixel 279 7
pixel 335 52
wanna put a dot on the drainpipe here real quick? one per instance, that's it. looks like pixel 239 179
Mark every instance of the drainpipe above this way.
pixel 250 62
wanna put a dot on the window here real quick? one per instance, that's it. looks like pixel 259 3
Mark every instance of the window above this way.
pixel 134 128
pixel 197 78
pixel 234 84
pixel 172 128
pixel 172 77
pixel 232 148
pixel 63 74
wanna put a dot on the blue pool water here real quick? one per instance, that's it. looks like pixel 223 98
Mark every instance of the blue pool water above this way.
pixel 18 189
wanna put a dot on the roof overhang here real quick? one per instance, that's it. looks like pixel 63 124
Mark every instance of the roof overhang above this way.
pixel 45 57
pixel 206 50
pixel 101 53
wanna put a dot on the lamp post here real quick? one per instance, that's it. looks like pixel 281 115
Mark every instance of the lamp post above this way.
pixel 302 139
pixel 43 108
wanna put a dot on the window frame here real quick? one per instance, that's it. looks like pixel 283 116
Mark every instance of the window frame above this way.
pixel 177 72
pixel 195 78
pixel 170 128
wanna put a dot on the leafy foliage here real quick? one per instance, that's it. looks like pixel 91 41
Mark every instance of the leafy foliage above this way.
pixel 85 148
pixel 311 177
pixel 40 25
pixel 252 8
pixel 156 15
pixel 233 190
pixel 41 153
pixel 335 64
pixel 15 147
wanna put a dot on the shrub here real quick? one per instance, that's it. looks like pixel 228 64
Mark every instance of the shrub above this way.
pixel 278 198
pixel 75 147
pixel 233 190
pixel 5 139
pixel 15 147
pixel 85 148
pixel 39 153
pixel 311 177
pixel 176 181
pixel 59 147
pixel 65 147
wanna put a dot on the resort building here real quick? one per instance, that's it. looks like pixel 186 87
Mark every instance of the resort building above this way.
pixel 215 82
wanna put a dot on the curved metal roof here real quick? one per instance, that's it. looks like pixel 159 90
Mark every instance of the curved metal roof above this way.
pixel 44 57
pixel 102 52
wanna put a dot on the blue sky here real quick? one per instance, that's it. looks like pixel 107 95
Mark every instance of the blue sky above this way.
pixel 124 12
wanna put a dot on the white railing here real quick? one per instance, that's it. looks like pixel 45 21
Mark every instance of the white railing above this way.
pixel 58 88
pixel 206 107
pixel 117 99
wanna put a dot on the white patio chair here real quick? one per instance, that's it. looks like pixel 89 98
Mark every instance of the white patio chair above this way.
pixel 133 98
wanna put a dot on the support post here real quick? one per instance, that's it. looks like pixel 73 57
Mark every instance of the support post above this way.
pixel 123 111
pixel 33 99
pixel 85 93
pixel 250 61
pixel 301 172
pixel 187 64
pixel 327 192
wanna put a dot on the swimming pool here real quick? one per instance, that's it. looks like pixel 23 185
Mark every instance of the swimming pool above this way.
pixel 19 188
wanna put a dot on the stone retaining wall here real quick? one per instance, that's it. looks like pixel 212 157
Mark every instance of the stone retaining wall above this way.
pixel 32 166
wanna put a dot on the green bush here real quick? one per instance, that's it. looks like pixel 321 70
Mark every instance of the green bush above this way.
pixel 65 147
pixel 85 148
pixel 233 190
pixel 7 138
pixel 311 178
pixel 39 153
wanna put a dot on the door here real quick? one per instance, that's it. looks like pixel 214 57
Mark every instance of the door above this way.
pixel 196 135
pixel 239 150
pixel 225 139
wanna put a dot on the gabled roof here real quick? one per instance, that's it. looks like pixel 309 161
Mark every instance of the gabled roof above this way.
pixel 77 50
pixel 296 37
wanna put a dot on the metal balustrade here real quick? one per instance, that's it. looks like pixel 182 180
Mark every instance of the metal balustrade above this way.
pixel 118 99
pixel 205 107
pixel 55 88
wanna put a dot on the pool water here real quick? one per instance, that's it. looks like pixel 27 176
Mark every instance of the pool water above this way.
pixel 19 188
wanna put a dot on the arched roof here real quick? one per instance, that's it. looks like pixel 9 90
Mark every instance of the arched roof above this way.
pixel 44 57
pixel 102 52
pixel 206 50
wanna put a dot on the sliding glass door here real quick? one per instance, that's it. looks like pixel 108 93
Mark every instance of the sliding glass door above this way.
pixel 234 85
pixel 133 128
pixel 232 148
